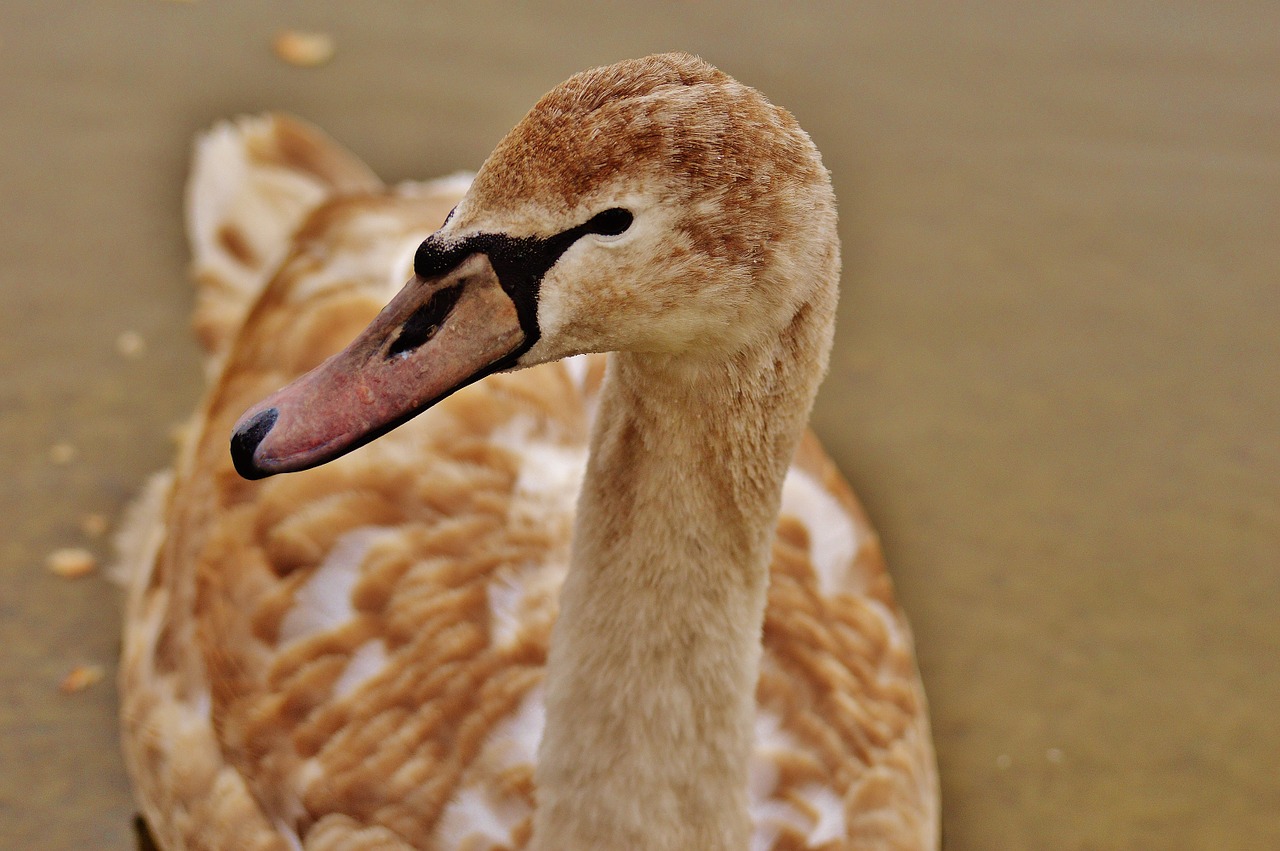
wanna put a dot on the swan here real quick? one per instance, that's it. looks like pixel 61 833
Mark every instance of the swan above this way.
pixel 581 604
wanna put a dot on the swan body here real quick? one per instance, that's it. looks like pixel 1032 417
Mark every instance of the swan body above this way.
pixel 572 606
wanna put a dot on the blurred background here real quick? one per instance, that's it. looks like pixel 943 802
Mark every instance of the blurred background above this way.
pixel 1056 384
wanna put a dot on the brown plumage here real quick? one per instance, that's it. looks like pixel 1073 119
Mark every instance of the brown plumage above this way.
pixel 353 656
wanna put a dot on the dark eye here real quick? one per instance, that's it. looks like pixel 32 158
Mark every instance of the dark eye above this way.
pixel 610 222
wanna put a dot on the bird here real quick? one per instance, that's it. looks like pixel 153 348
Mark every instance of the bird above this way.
pixel 557 563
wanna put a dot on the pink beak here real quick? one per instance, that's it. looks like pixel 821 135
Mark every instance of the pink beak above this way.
pixel 436 336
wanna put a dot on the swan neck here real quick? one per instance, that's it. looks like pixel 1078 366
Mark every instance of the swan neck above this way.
pixel 655 656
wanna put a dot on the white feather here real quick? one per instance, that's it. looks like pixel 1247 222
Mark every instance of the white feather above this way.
pixel 833 539
pixel 323 602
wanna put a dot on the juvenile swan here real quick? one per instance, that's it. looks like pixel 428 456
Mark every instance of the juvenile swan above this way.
pixel 573 607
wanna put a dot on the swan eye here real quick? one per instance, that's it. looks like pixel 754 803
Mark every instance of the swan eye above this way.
pixel 611 222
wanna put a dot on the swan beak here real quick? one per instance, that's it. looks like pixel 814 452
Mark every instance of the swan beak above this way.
pixel 437 335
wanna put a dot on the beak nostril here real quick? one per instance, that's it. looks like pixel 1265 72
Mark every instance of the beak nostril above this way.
pixel 246 439
pixel 423 324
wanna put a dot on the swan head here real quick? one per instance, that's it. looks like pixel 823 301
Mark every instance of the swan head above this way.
pixel 654 206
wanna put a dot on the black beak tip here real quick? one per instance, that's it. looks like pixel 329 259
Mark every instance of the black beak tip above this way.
pixel 245 440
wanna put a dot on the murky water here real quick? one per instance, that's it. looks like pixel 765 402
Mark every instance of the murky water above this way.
pixel 1057 383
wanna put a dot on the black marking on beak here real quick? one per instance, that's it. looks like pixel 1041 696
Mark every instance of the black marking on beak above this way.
pixel 520 263
pixel 245 442
pixel 423 324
